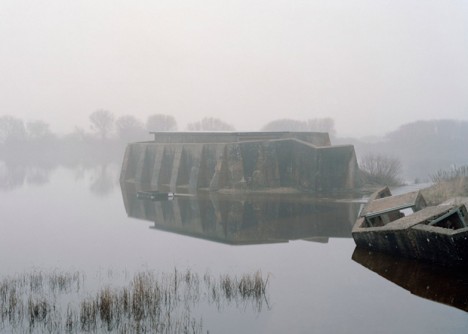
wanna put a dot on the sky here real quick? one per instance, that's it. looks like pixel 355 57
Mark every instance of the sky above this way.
pixel 371 65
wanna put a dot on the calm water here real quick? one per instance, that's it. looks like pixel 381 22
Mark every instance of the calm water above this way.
pixel 81 219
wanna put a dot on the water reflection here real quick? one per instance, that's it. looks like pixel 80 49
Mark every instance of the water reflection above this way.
pixel 438 284
pixel 103 181
pixel 247 219
pixel 102 176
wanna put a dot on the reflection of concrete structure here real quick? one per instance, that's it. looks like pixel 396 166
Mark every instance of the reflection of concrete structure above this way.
pixel 189 162
pixel 438 284
pixel 245 220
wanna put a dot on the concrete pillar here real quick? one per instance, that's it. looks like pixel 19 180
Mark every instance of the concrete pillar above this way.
pixel 140 163
pixel 215 180
pixel 196 152
pixel 175 168
pixel 159 152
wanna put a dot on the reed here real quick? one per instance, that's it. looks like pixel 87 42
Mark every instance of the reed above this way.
pixel 56 302
pixel 456 172
pixel 448 184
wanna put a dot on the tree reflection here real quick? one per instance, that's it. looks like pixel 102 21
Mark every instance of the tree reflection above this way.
pixel 104 181
pixel 11 177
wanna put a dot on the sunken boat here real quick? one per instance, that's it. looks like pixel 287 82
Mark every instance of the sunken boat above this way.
pixel 405 226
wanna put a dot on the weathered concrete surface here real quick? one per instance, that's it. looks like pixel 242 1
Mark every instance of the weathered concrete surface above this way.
pixel 243 219
pixel 190 162
pixel 316 138
pixel 388 206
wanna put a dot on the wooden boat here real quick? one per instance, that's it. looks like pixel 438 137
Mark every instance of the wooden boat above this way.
pixel 405 226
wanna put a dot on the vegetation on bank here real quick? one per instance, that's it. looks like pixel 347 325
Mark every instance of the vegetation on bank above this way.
pixel 448 184
pixel 58 302
pixel 380 170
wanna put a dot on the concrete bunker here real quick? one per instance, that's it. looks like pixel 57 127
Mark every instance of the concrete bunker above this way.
pixel 189 162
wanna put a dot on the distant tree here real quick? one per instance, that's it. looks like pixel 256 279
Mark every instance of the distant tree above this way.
pixel 129 128
pixel 285 124
pixel 425 147
pixel 322 125
pixel 38 131
pixel 78 135
pixel 315 125
pixel 380 170
pixel 102 121
pixel 210 124
pixel 12 130
pixel 160 122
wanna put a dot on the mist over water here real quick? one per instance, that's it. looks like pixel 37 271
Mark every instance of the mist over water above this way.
pixel 82 79
pixel 65 225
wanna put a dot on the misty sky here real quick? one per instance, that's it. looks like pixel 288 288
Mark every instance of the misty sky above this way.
pixel 371 65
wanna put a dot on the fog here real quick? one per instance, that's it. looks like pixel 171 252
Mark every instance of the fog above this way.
pixel 370 65
pixel 81 81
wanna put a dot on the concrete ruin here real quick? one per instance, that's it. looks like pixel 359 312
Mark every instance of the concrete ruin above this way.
pixel 436 234
pixel 241 161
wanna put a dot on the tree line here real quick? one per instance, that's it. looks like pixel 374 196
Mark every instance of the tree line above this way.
pixel 416 150
pixel 422 147
pixel 105 126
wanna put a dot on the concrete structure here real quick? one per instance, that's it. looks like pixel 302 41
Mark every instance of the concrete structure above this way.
pixel 437 234
pixel 192 162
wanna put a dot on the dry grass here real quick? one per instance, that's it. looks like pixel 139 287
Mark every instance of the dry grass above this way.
pixel 55 302
pixel 447 184
pixel 447 189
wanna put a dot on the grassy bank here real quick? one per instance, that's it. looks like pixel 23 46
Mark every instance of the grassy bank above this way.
pixel 445 190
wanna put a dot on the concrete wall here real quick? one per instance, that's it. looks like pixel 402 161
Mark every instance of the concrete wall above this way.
pixel 315 138
pixel 232 164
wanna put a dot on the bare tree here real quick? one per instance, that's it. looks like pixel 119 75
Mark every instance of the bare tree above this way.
pixel 102 121
pixel 380 170
pixel 210 124
pixel 129 128
pixel 160 122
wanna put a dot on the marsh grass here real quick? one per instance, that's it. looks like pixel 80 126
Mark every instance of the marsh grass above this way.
pixel 448 184
pixel 57 302
pixel 454 173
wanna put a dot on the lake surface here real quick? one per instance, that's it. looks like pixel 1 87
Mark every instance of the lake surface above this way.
pixel 81 219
